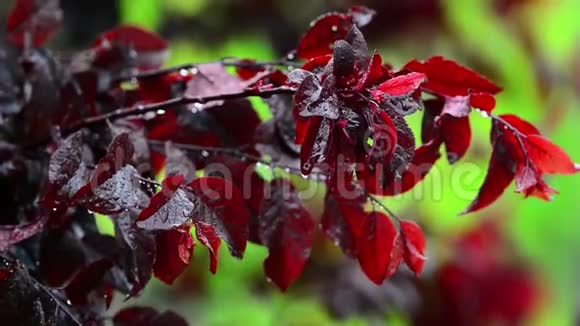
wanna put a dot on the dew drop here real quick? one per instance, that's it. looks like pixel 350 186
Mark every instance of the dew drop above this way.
pixel 183 72
pixel 334 28
pixel 160 112
pixel 194 70
pixel 68 302
pixel 205 153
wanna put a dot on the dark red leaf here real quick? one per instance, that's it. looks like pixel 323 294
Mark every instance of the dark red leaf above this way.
pixel 37 19
pixel 315 64
pixel 456 133
pixel 12 234
pixel 523 126
pixel 169 208
pixel 150 49
pixel 61 257
pixel 87 280
pixel 136 253
pixel 206 234
pixel 246 69
pixel 287 229
pixel 548 157
pixel 146 316
pixel 402 85
pixel 373 73
pixel 324 31
pixel 343 218
pixel 380 250
pixel 499 176
pixel 483 101
pixel 437 126
pixel 447 78
pixel 161 88
pixel 221 205
pixel 414 242
pixel 174 252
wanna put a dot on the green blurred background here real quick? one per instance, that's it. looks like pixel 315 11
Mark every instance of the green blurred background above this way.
pixel 531 48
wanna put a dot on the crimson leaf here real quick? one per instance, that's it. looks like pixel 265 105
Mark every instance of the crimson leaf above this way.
pixel 414 243
pixel 380 250
pixel 448 78
pixel 174 251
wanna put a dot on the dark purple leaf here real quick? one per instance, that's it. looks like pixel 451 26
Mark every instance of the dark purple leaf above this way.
pixel 137 253
pixel 287 229
pixel 87 280
pixel 343 218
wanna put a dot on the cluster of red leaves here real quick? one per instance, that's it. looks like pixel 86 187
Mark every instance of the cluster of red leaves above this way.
pixel 118 119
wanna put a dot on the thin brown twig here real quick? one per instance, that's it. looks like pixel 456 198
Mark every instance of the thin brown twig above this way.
pixel 170 104
pixel 376 201
pixel 234 152
pixel 228 62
